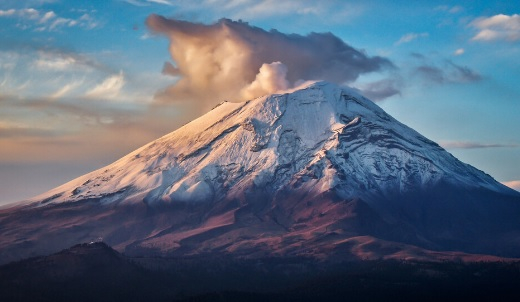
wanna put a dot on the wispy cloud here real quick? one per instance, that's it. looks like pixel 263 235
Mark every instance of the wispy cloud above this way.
pixel 10 130
pixel 46 62
pixel 473 145
pixel 450 9
pixel 447 73
pixel 498 27
pixel 110 88
pixel 459 51
pixel 165 2
pixel 63 60
pixel 41 20
pixel 330 11
pixel 48 16
pixel 6 13
pixel 148 2
pixel 382 89
pixel 65 90
pixel 409 37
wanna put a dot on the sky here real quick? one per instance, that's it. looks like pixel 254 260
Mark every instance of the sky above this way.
pixel 82 83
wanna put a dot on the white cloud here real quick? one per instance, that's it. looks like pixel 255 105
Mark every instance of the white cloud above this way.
pixel 65 90
pixel 29 13
pixel 147 2
pixel 410 37
pixel 58 63
pixel 165 2
pixel 6 13
pixel 59 22
pixel 48 16
pixel 498 27
pixel 110 88
pixel 459 52
pixel 136 3
pixel 47 21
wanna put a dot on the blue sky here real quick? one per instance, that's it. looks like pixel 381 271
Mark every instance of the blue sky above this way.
pixel 82 82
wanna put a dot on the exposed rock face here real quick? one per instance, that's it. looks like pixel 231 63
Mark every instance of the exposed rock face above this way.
pixel 320 171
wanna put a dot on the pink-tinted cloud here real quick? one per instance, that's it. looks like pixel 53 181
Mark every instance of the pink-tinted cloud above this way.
pixel 513 184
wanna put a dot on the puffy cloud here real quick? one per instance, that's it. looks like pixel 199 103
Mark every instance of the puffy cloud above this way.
pixel 473 145
pixel 410 37
pixel 271 78
pixel 225 60
pixel 498 27
pixel 513 184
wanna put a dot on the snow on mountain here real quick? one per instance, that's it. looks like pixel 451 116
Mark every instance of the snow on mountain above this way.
pixel 321 137
pixel 317 172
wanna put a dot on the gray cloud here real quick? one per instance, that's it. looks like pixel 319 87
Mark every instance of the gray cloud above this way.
pixel 431 73
pixel 474 145
pixel 448 73
pixel 220 61
pixel 464 73
pixel 417 55
pixel 380 90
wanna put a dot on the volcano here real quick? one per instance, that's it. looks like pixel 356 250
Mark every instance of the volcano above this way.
pixel 319 172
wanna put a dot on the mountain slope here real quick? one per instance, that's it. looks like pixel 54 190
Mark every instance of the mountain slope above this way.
pixel 273 141
pixel 320 171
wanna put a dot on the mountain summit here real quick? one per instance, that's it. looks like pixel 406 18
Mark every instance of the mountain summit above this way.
pixel 318 172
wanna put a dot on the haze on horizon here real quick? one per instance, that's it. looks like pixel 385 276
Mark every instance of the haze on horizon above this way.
pixel 81 86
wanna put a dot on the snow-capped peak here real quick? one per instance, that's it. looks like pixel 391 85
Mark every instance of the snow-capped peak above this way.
pixel 320 137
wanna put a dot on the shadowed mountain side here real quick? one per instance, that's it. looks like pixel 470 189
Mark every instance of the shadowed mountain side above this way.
pixel 86 272
pixel 289 225
pixel 95 272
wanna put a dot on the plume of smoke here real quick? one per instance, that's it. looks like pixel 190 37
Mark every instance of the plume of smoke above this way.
pixel 234 61
pixel 271 78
